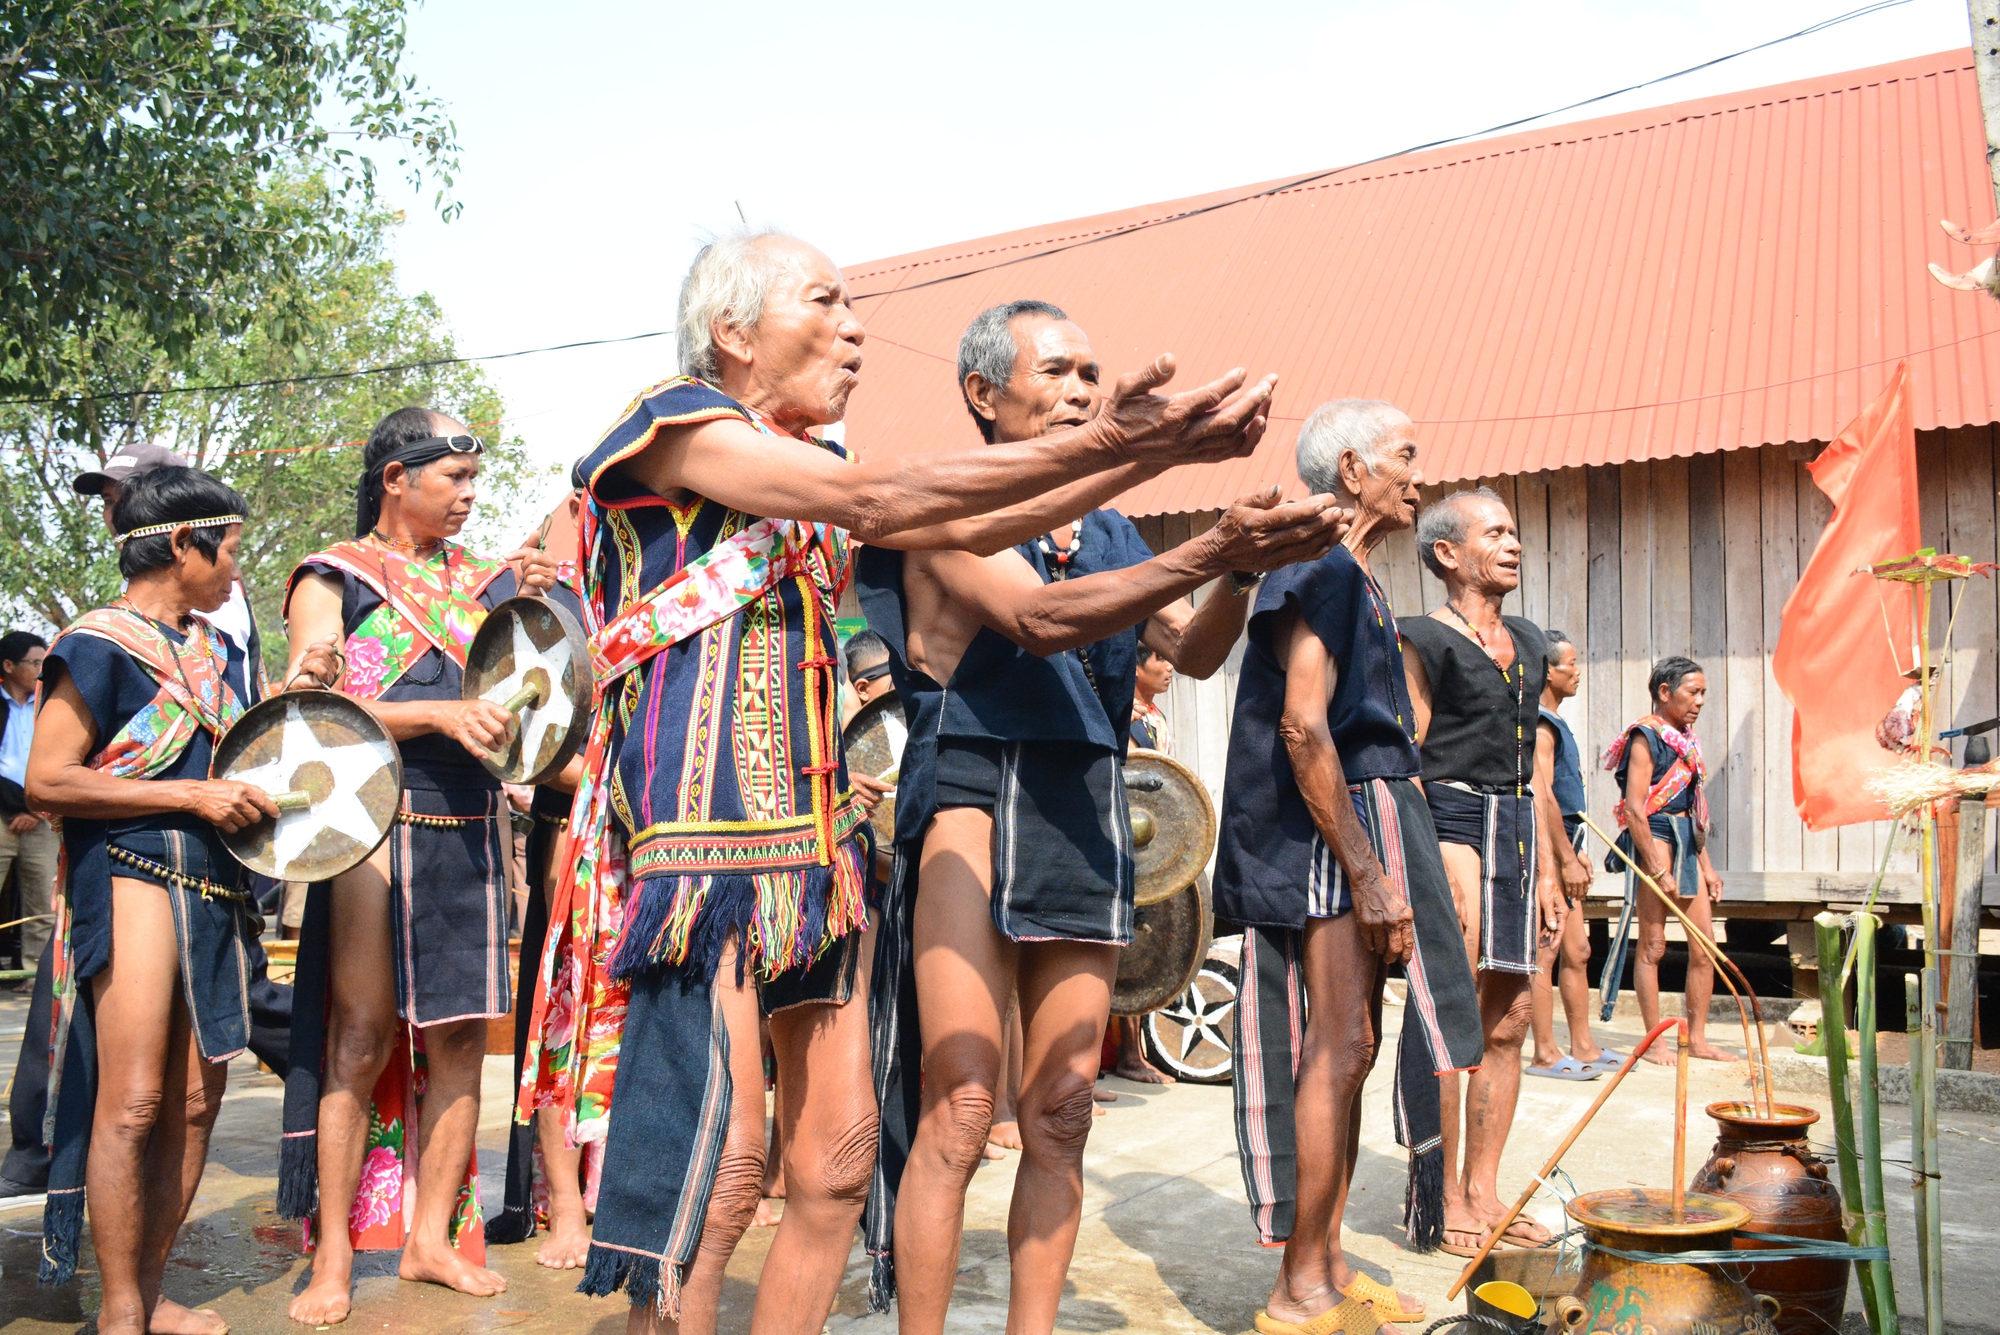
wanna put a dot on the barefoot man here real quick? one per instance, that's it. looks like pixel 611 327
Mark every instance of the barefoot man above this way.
pixel 719 849
pixel 1476 678
pixel 1663 814
pixel 1329 863
pixel 406 954
pixel 1559 798
pixel 1013 857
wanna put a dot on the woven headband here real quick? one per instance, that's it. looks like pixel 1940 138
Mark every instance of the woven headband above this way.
pixel 154 530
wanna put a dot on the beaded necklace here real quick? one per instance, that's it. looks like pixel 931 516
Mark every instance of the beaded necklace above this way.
pixel 1520 682
pixel 1059 562
pixel 1060 557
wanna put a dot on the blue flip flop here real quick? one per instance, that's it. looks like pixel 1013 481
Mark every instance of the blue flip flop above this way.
pixel 1606 1061
pixel 1569 1068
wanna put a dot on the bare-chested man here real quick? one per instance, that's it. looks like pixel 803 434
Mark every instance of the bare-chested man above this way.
pixel 1013 859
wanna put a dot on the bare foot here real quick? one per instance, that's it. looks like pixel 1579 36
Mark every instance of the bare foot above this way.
pixel 991 1151
pixel 326 1300
pixel 444 1265
pixel 565 1247
pixel 171 1318
pixel 1132 1066
pixel 1104 1095
pixel 767 1215
pixel 1660 1054
pixel 1596 1053
pixel 1708 1052
pixel 1007 1134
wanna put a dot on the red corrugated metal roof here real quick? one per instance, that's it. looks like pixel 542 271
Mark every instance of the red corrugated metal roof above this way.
pixel 1734 271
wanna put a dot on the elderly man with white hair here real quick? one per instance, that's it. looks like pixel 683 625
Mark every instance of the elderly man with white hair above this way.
pixel 1476 681
pixel 720 850
pixel 1329 864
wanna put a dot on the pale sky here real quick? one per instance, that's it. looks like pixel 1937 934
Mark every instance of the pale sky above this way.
pixel 600 139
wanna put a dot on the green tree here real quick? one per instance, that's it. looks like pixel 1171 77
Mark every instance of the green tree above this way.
pixel 137 139
pixel 292 449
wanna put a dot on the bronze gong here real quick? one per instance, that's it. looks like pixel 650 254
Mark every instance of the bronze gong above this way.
pixel 873 743
pixel 1173 824
pixel 530 657
pixel 1169 941
pixel 334 772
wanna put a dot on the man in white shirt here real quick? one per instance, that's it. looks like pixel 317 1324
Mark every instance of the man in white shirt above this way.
pixel 27 841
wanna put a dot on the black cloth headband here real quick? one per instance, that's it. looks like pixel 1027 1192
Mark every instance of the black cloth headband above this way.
pixel 368 491
pixel 880 669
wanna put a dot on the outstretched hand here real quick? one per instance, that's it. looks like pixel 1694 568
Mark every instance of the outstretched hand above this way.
pixel 1223 419
pixel 1262 532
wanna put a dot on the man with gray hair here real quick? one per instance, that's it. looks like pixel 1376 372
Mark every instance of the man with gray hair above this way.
pixel 1329 864
pixel 717 823
pixel 1476 680
pixel 1013 869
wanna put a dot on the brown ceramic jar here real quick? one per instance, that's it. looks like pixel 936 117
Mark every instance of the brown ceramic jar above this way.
pixel 1618 1296
pixel 1766 1165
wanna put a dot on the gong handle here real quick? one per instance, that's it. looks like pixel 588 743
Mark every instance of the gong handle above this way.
pixel 1144 783
pixel 530 694
pixel 294 799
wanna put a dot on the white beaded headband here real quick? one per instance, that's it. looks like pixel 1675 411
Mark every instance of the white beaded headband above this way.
pixel 154 530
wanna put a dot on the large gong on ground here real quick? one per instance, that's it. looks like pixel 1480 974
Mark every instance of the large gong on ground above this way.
pixel 530 657
pixel 1169 941
pixel 873 743
pixel 1173 824
pixel 334 772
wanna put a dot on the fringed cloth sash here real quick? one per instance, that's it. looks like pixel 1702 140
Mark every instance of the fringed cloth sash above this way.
pixel 1441 1029
pixel 427 603
pixel 1686 769
pixel 194 695
pixel 1688 828
pixel 582 1002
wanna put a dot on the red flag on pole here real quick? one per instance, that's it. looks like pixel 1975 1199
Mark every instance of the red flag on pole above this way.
pixel 1836 660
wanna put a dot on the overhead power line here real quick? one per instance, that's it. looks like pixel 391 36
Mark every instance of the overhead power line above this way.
pixel 1294 184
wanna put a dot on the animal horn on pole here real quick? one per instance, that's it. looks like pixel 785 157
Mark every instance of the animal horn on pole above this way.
pixel 1982 277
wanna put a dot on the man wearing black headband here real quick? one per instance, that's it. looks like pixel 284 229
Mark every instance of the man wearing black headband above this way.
pixel 867 656
pixel 410 948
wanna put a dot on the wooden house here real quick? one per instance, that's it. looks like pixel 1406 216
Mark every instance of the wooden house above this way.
pixel 1637 330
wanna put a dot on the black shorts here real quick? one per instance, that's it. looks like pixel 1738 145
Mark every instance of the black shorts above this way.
pixel 1062 835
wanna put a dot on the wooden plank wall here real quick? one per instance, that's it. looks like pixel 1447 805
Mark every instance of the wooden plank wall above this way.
pixel 1691 556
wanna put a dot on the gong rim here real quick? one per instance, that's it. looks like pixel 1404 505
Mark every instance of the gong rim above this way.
pixel 1132 994
pixel 873 742
pixel 493 646
pixel 235 753
pixel 1184 827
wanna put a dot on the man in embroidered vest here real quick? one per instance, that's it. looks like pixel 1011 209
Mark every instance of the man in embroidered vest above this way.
pixel 1013 853
pixel 155 922
pixel 1328 862
pixel 405 956
pixel 719 847
pixel 1476 678
pixel 1663 819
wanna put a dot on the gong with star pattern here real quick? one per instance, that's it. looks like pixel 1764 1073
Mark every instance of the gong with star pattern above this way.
pixel 530 656
pixel 335 773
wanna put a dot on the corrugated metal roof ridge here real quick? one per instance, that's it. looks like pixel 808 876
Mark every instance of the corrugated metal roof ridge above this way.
pixel 1602 127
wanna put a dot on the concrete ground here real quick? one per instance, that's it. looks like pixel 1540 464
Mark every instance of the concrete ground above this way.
pixel 1166 1243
